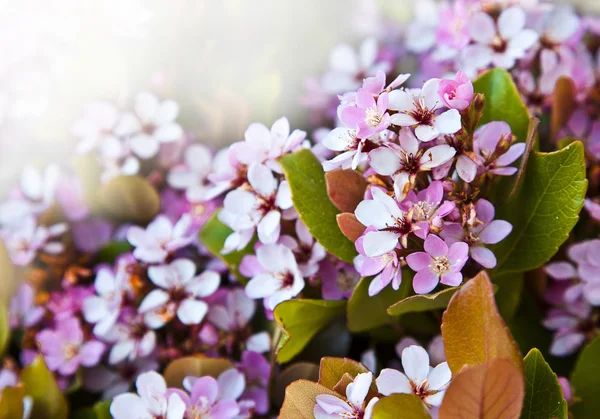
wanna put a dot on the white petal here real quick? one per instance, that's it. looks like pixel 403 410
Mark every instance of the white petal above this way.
pixel 377 243
pixel 261 179
pixel 167 112
pixel 284 196
pixel 146 106
pixel 448 122
pixel 384 161
pixel 415 362
pixel 144 146
pixel 426 133
pixel 192 311
pixel 343 58
pixel 268 228
pixel 373 213
pixel 511 21
pixel 436 156
pixel 482 28
pixel 338 139
pixel 357 391
pixel 391 381
pixel 155 299
pixel 239 202
pixel 439 376
pixel 262 286
pixel 400 100
pixel 168 133
pixel 231 384
pixel 430 94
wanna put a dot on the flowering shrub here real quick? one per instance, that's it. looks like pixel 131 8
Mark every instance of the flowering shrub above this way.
pixel 400 260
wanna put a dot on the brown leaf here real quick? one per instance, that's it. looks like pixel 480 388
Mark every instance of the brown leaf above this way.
pixel 350 226
pixel 346 188
pixel 493 391
pixel 340 387
pixel 563 105
pixel 331 370
pixel 195 365
pixel 296 371
pixel 130 198
pixel 8 280
pixel 300 399
pixel 472 329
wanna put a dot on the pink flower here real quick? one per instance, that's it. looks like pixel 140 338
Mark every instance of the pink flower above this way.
pixel 160 238
pixel 419 109
pixel 24 239
pixel 131 337
pixel 569 325
pixel 22 308
pixel 369 115
pixel 211 398
pixel 439 263
pixel 457 93
pixel 180 293
pixel 427 207
pixel 257 371
pixel 338 279
pixel 419 378
pixel 236 312
pixel 275 274
pixel 354 406
pixel 309 253
pixel 386 267
pixel 453 31
pixel 104 308
pixel 593 209
pixel 345 140
pixel 153 400
pixel 64 348
pixel 493 145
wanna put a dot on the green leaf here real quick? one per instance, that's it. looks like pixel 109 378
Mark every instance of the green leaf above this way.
pixel 48 400
pixel 365 312
pixel 586 381
pixel 11 403
pixel 508 296
pixel 300 320
pixel 213 235
pixel 4 328
pixel 544 210
pixel 305 175
pixel 110 251
pixel 405 406
pixel 543 394
pixel 502 101
pixel 8 282
pixel 100 410
pixel 422 302
pixel 332 370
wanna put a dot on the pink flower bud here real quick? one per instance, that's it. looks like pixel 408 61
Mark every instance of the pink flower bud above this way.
pixel 457 93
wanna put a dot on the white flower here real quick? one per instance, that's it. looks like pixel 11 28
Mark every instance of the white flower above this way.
pixel 96 126
pixel 419 109
pixel 332 407
pixel 179 293
pixel 103 309
pixel 191 176
pixel 160 238
pixel 419 378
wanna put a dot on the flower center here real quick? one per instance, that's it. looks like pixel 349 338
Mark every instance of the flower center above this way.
pixel 69 351
pixel 372 117
pixel 423 210
pixel 286 278
pixel 440 265
pixel 498 44
pixel 345 282
pixel 200 410
pixel 422 114
pixel 148 128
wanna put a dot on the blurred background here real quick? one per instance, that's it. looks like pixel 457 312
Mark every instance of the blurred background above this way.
pixel 226 62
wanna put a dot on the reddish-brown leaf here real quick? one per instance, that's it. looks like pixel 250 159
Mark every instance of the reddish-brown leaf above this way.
pixel 493 391
pixel 563 105
pixel 332 370
pixel 472 329
pixel 300 399
pixel 350 226
pixel 346 188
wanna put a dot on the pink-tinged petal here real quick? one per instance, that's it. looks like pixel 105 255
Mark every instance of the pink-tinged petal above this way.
pixel 424 281
pixel 448 122
pixel 225 409
pixel 331 404
pixel 250 266
pixel 379 282
pixel 436 156
pixel 429 93
pixel 399 80
pixel 563 24
pixel 435 246
pixel 511 21
pixel 205 387
pixel 520 43
pixel 487 136
pixel 419 261
pixel 495 231
pixel 262 286
pixel 485 210
pixel 91 352
pixel 402 185
pixel 415 362
pixel 426 133
pixel 261 179
pixel 452 279
pixel 392 381
pixel 458 255
pixel 403 120
pixel 377 243
pixel 338 139
pixel 504 171
pixel 373 213
pixel 484 256
pixel 184 269
pixel 566 343
pixel 364 99
pixel 352 116
pixel 400 100
pixel 446 208
pixel 356 392
pixel 513 153
pixel 231 384
pixel 482 28
pixel 156 298
pixel 466 168
pixel 372 266
pixel 129 405
pixel 384 161
pixel 561 270
pixel 591 292
pixel 269 227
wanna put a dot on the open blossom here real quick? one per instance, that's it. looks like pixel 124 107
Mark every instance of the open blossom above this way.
pixel 456 93
pixel 103 309
pixel 64 348
pixel 392 225
pixel 354 406
pixel 438 263
pixel 569 325
pixel 405 161
pixel 493 145
pixel 485 230
pixel 153 400
pixel 501 43
pixel 345 140
pixel 24 239
pixel 419 378
pixel 421 109
pixel 160 238
pixel 131 338
pixel 96 126
pixel 309 253
pixel 179 294
pixel 386 267
pixel 275 274
pixel 428 208
pixel 257 370
pixel 258 210
pixel 23 310
pixel 191 175
pixel 152 124
pixel 369 115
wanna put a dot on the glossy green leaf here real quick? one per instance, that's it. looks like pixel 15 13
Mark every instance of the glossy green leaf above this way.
pixel 543 395
pixel 300 320
pixel 309 194
pixel 366 313
pixel 586 381
pixel 110 251
pixel 213 235
pixel 422 302
pixel 544 210
pixel 48 400
pixel 11 403
pixel 405 406
pixel 508 296
pixel 332 369
pixel 502 101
